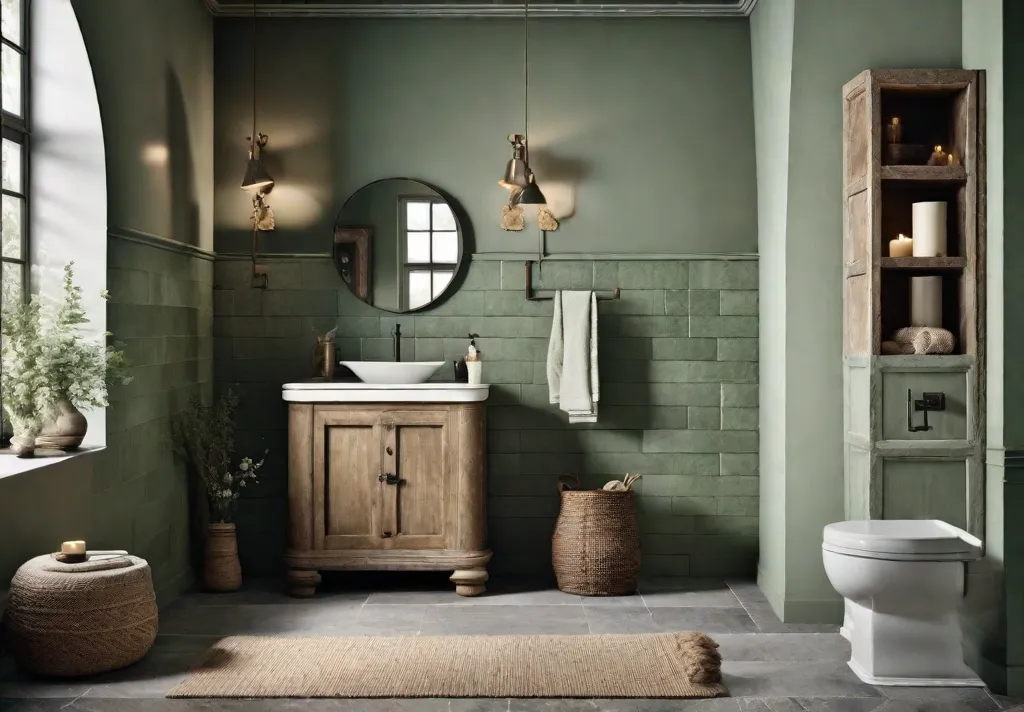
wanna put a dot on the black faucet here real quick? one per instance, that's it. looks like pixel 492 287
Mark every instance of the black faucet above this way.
pixel 397 335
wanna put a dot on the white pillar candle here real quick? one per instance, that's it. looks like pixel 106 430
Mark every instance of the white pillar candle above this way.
pixel 925 300
pixel 929 229
pixel 73 547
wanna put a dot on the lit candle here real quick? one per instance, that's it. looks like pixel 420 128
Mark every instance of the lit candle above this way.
pixel 938 157
pixel 894 131
pixel 902 246
pixel 73 548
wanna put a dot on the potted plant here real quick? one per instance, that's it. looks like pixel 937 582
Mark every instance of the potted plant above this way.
pixel 205 437
pixel 50 371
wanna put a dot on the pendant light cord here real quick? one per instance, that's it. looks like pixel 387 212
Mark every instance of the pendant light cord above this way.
pixel 526 78
pixel 253 137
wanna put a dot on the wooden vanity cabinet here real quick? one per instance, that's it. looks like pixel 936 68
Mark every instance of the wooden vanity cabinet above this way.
pixel 387 486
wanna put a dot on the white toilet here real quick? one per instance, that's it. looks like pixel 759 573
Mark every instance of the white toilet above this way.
pixel 903 581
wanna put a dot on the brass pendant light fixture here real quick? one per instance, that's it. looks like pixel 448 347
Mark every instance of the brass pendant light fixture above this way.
pixel 519 177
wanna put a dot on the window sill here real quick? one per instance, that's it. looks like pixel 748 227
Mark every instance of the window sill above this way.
pixel 11 464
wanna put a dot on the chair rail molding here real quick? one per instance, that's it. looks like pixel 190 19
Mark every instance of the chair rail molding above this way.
pixel 459 8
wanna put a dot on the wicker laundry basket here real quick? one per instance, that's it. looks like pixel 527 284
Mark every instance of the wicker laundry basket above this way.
pixel 69 620
pixel 595 549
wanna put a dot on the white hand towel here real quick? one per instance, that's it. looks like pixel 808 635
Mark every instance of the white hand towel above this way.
pixel 573 380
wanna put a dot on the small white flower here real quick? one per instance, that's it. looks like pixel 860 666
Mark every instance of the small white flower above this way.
pixel 227 479
pixel 244 466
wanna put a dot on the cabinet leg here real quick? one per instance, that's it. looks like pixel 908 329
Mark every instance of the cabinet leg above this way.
pixel 470 582
pixel 302 583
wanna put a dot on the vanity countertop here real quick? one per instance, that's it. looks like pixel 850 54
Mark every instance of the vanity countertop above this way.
pixel 341 392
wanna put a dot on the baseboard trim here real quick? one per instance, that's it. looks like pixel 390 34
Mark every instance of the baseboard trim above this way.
pixel 792 610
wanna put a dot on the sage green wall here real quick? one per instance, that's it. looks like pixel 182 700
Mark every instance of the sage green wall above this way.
pixel 771 42
pixel 154 84
pixel 644 125
pixel 833 41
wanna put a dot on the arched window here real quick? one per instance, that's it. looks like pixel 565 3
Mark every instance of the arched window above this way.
pixel 14 107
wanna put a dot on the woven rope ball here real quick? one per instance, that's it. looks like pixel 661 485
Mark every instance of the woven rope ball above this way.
pixel 70 620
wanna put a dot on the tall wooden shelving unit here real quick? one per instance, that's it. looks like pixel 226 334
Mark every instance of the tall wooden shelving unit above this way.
pixel 894 469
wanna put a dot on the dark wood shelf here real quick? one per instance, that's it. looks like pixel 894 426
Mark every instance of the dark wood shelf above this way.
pixel 923 264
pixel 937 174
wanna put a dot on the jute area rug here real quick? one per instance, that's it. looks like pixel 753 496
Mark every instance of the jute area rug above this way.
pixel 668 665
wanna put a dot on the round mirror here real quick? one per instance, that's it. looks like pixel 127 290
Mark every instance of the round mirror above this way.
pixel 398 244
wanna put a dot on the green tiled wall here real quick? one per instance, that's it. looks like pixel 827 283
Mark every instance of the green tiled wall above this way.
pixel 161 309
pixel 678 396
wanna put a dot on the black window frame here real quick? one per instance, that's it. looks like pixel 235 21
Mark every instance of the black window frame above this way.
pixel 18 130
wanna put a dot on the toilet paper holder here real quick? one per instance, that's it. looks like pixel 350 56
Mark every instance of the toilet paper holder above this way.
pixel 927 402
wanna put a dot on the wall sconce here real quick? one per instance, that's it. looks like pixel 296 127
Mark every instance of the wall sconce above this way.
pixel 257 179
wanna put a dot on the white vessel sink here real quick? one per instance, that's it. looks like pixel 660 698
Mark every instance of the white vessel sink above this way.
pixel 393 372
pixel 334 392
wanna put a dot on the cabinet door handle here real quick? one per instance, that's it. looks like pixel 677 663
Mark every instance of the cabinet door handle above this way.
pixel 386 535
pixel 927 402
pixel 388 478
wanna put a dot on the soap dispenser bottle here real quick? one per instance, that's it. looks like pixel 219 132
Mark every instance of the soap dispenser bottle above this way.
pixel 474 363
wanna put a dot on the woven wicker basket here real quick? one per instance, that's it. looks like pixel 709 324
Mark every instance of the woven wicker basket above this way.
pixel 595 549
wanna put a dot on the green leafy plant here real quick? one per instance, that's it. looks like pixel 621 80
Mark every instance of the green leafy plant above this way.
pixel 46 359
pixel 205 437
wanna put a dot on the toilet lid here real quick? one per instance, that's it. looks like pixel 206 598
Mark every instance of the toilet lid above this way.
pixel 904 537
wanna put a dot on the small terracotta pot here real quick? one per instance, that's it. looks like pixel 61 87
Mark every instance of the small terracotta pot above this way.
pixel 221 569
pixel 66 431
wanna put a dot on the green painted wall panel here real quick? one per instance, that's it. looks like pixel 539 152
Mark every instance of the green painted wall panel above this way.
pixel 642 129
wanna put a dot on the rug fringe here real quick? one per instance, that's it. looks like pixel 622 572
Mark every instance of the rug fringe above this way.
pixel 702 663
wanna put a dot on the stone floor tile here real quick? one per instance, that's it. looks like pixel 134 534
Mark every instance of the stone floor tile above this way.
pixel 794 679
pixel 633 601
pixel 968 699
pixel 705 620
pixel 504 620
pixel 791 647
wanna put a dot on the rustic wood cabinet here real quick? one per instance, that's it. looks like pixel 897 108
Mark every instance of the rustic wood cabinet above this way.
pixel 387 486
pixel 914 423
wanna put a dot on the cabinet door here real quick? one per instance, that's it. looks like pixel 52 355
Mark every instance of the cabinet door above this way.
pixel 416 450
pixel 346 471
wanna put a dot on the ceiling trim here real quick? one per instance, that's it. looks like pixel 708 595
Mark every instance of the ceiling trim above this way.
pixel 740 8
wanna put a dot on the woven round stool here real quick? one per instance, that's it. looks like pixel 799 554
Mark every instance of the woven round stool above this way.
pixel 69 620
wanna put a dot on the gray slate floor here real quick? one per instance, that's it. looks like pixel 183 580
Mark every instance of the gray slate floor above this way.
pixel 768 666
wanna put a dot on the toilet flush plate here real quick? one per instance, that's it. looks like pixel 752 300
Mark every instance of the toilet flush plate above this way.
pixel 968 680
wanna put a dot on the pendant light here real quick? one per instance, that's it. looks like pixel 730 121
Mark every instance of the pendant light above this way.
pixel 256 176
pixel 518 174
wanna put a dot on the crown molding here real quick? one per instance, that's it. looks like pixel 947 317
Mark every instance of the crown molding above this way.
pixel 739 8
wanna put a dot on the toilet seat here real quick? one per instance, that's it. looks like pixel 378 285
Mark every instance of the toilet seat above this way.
pixel 901 540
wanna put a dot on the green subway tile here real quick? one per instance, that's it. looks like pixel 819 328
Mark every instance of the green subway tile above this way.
pixel 320 274
pixel 296 303
pixel 353 326
pixel 505 441
pixel 704 302
pixel 503 466
pixel 223 302
pixel 284 327
pixel 504 394
pixel 518 485
pixel 285 275
pixel 723 326
pixel 699 372
pixel 739 395
pixel 481 275
pixel 680 486
pixel 699 441
pixel 606 275
pixel 738 506
pixel 429 349
pixel 655 524
pixel 700 465
pixel 737 349
pixel 510 327
pixel 677 302
pixel 653 275
pixel 514 304
pixel 629 325
pixel 661 394
pixel 737 486
pixel 516 372
pixel 513 277
pixel 562 275
pixel 525 349
pixel 636 348
pixel 739 302
pixel 739 418
pixel 439 326
pixel 717 524
pixel 703 418
pixel 643 417
pixel 654 506
pixel 666 565
pixel 637 302
pixel 723 274
pixel 247 302
pixel 377 349
pixel 232 274
pixel 733 464
pixel 350 305
pixel 683 349
pixel 694 506
pixel 544 507
pixel 585 441
pixel 128 286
